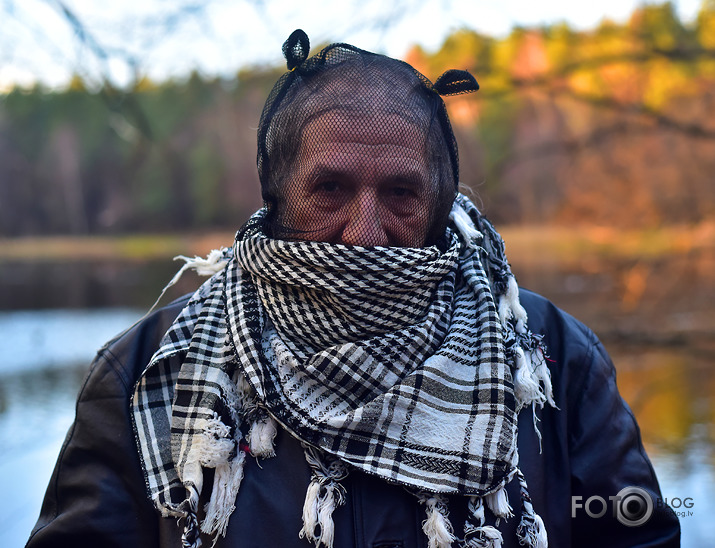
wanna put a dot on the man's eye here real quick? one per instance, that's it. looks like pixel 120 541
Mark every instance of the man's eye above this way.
pixel 400 191
pixel 328 186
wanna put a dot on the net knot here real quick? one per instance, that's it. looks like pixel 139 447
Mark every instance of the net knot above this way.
pixel 296 48
pixel 454 82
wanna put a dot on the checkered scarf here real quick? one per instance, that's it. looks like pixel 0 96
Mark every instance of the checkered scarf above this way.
pixel 409 364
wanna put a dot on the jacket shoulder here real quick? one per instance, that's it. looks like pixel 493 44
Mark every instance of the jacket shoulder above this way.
pixel 556 325
pixel 574 353
pixel 130 351
pixel 542 311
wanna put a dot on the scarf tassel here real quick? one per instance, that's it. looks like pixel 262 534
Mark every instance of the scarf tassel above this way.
pixel 214 448
pixel 464 224
pixel 485 536
pixel 531 530
pixel 526 382
pixel 498 503
pixel 510 307
pixel 323 496
pixel 263 430
pixel 437 526
pixel 321 499
pixel 261 436
pixel 532 379
pixel 215 261
pixel 531 370
pixel 532 533
pixel 543 374
pixel 476 534
pixel 191 535
pixel 227 481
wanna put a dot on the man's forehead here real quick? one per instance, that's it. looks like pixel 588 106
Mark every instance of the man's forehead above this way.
pixel 367 128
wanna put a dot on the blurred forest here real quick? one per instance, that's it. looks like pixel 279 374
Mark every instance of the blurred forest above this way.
pixel 614 126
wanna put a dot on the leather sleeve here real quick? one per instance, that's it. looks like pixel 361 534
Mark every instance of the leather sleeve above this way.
pixel 97 495
pixel 606 456
pixel 591 445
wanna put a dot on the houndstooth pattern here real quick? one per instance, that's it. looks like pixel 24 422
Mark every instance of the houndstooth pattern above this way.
pixel 391 359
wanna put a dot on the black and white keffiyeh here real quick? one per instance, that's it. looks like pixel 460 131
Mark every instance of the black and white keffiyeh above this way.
pixel 409 364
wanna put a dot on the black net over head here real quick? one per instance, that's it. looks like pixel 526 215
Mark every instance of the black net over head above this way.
pixel 356 148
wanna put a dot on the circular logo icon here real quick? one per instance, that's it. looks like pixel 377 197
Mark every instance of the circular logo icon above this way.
pixel 634 506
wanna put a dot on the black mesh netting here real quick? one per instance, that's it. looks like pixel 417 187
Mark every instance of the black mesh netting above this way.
pixel 356 148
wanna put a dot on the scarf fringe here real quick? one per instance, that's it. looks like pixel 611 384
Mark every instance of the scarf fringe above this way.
pixel 482 537
pixel 526 383
pixel 532 379
pixel 263 429
pixel 510 307
pixel 214 263
pixel 310 512
pixel 261 436
pixel 214 448
pixel 190 538
pixel 542 372
pixel 475 507
pixel 437 527
pixel 498 503
pixel 227 481
pixel 323 495
pixel 464 224
pixel 476 534
pixel 531 530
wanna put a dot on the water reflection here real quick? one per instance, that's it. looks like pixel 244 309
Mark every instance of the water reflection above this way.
pixel 42 339
pixel 672 394
pixel 86 283
pixel 36 409
pixel 671 391
pixel 44 356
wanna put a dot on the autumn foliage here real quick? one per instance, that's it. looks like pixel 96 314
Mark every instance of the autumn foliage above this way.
pixel 614 126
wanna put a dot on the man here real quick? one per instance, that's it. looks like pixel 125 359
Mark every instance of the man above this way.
pixel 361 368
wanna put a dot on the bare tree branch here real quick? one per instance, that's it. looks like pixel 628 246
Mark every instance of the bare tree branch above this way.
pixel 691 129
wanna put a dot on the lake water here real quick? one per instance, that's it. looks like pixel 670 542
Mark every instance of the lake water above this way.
pixel 44 355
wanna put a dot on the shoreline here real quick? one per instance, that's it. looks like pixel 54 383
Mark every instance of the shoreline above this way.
pixel 524 242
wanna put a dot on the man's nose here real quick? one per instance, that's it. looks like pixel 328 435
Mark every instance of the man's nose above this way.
pixel 364 226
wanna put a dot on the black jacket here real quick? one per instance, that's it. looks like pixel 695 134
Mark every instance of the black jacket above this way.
pixel 591 447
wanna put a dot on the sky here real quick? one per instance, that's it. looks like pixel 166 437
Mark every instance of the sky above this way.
pixel 169 38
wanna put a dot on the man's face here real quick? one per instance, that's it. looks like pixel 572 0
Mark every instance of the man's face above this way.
pixel 360 180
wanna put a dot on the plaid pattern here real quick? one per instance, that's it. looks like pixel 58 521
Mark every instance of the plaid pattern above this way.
pixel 391 359
pixel 188 381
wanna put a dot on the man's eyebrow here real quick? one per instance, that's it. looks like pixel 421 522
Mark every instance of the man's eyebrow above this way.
pixel 408 176
pixel 324 171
